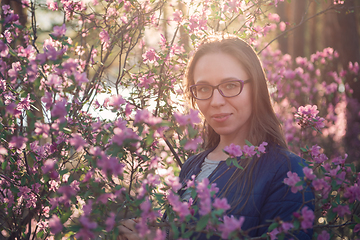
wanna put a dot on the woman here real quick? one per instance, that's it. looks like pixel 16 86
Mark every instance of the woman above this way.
pixel 226 82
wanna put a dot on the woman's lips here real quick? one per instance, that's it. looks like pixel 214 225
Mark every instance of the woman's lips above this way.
pixel 221 117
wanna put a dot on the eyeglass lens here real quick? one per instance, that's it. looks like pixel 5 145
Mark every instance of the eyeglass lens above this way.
pixel 226 89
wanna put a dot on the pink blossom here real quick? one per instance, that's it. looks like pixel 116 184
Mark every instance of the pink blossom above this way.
pixel 47 99
pixel 354 67
pixel 342 210
pixel 352 193
pixel 286 226
pixel 277 1
pixel 249 151
pixel 49 166
pixel 84 234
pixel 59 109
pixel 273 233
pixel 221 204
pixel 145 116
pixel 7 9
pixel 110 222
pixel 192 118
pixel 197 22
pixel 145 81
pixel 12 109
pixel 339 160
pixel 292 180
pixel 128 109
pixel 4 49
pixel 262 147
pixel 23 191
pixel 177 15
pixel 173 182
pixel 87 223
pixel 150 56
pixel 110 165
pixel 160 235
pixel 181 208
pixel 3 151
pixel 28 52
pixel 308 172
pixel 231 6
pixel 147 210
pixel 116 101
pixel 274 17
pixel 59 30
pixel 357 227
pixel 310 110
pixel 230 224
pixel 55 225
pixel 80 78
pixel 24 103
pixel 18 142
pixel 77 142
pixel 233 150
pixel 324 235
pixel 42 128
pixel 120 135
pixel 204 195
pixel 321 185
pixel 52 5
pixel 320 158
pixel 15 69
pixel 192 144
pixel 315 150
pixel 307 218
pixel 104 38
pixel 2 84
pixel 87 208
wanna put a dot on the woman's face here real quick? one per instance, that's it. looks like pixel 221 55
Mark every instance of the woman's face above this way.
pixel 229 117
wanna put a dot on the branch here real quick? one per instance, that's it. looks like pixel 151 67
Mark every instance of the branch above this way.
pixel 301 23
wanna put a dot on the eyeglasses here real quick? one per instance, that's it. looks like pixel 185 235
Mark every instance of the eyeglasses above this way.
pixel 228 89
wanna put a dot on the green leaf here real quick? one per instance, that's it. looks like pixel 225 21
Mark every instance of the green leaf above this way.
pixel 74 228
pixel 187 234
pixel 296 224
pixel 175 231
pixel 356 218
pixel 273 226
pixel 248 143
pixel 4 164
pixel 331 216
pixel 303 149
pixel 65 217
pixel 236 164
pixel 202 223
pixel 299 183
pixel 40 234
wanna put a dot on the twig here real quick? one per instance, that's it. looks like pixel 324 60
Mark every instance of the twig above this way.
pixel 295 27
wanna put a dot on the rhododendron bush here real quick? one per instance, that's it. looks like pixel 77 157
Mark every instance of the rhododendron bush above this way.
pixel 68 171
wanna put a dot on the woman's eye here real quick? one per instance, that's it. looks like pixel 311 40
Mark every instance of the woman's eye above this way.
pixel 230 86
pixel 204 89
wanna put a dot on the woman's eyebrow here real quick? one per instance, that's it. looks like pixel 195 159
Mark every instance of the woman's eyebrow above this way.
pixel 222 80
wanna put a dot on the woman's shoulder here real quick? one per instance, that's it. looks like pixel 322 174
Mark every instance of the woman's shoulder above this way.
pixel 282 160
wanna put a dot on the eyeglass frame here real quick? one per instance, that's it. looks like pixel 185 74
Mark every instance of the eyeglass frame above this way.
pixel 243 82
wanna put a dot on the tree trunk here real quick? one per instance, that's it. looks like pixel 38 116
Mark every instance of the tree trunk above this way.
pixel 347 44
pixel 299 8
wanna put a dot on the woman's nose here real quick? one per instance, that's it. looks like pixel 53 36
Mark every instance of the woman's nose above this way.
pixel 217 99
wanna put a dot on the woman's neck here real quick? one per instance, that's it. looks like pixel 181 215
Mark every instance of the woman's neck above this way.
pixel 218 154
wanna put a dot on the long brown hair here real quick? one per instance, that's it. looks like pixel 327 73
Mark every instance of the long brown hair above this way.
pixel 264 127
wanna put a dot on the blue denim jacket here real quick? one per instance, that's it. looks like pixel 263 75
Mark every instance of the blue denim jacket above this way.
pixel 270 197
